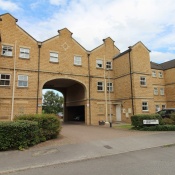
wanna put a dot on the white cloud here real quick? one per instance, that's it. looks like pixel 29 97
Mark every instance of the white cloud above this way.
pixel 125 21
pixel 8 5
pixel 160 57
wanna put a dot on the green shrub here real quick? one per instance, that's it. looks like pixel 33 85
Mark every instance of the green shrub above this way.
pixel 137 120
pixel 167 121
pixel 18 134
pixel 159 128
pixel 49 124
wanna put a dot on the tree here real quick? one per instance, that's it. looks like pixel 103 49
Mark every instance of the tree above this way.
pixel 52 103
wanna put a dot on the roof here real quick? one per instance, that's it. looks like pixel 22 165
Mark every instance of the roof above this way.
pixel 156 66
pixel 120 54
pixel 168 65
pixel 163 66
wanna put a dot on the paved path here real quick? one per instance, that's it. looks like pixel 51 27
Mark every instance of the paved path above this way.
pixel 78 142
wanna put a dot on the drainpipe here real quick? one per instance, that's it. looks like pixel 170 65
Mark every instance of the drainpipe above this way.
pixel 13 90
pixel 89 88
pixel 130 72
pixel 39 48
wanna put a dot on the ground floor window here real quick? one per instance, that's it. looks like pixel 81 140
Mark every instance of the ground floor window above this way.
pixel 157 108
pixel 144 106
pixel 22 81
pixel 4 79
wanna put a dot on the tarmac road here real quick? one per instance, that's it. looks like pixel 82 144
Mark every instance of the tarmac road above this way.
pixel 153 161
pixel 82 143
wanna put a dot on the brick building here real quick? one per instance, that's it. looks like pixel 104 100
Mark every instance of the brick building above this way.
pixel 102 84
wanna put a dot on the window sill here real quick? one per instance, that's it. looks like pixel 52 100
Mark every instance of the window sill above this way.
pixel 99 67
pixel 77 65
pixel 99 91
pixel 145 111
pixel 6 56
pixel 20 87
pixel 24 58
pixel 143 86
pixel 53 62
pixel 7 87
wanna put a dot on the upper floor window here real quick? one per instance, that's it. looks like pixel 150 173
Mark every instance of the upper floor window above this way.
pixel 77 60
pixel 163 106
pixel 144 106
pixel 143 81
pixel 108 65
pixel 22 81
pixel 155 91
pixel 4 79
pixel 153 73
pixel 24 53
pixel 99 63
pixel 160 75
pixel 100 86
pixel 7 50
pixel 162 91
pixel 110 87
pixel 54 57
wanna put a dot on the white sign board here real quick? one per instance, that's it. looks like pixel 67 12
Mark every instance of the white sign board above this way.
pixel 151 122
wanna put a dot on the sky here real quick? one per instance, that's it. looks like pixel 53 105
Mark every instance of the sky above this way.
pixel 91 21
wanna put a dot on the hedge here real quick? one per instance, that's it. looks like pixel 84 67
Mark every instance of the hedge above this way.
pixel 137 120
pixel 18 134
pixel 159 128
pixel 49 124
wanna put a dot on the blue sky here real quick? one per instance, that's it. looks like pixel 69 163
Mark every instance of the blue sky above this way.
pixel 90 21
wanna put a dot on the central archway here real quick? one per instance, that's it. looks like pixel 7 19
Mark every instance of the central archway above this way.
pixel 75 99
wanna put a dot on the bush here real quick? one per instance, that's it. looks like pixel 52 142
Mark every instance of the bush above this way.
pixel 49 124
pixel 137 120
pixel 159 128
pixel 18 134
pixel 167 121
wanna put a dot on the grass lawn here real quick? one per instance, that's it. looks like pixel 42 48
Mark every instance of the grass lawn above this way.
pixel 123 126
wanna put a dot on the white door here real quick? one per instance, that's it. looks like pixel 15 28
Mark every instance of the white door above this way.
pixel 118 113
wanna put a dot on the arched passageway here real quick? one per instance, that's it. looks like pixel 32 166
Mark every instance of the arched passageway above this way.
pixel 75 100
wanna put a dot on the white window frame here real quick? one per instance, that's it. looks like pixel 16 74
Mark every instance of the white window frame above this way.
pixel 54 57
pixel 99 63
pixel 100 86
pixel 24 53
pixel 156 92
pixel 153 73
pixel 162 91
pixel 143 81
pixel 157 108
pixel 109 86
pixel 7 50
pixel 5 81
pixel 109 65
pixel 144 106
pixel 22 80
pixel 77 60
pixel 160 75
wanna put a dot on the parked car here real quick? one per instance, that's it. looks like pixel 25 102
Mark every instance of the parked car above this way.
pixel 165 113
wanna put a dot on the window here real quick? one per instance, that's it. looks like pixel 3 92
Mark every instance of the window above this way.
pixel 160 75
pixel 110 87
pixel 155 91
pixel 7 50
pixel 22 81
pixel 24 53
pixel 108 65
pixel 99 63
pixel 157 108
pixel 4 80
pixel 100 86
pixel 163 106
pixel 77 60
pixel 144 106
pixel 161 91
pixel 143 81
pixel 54 57
pixel 153 73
